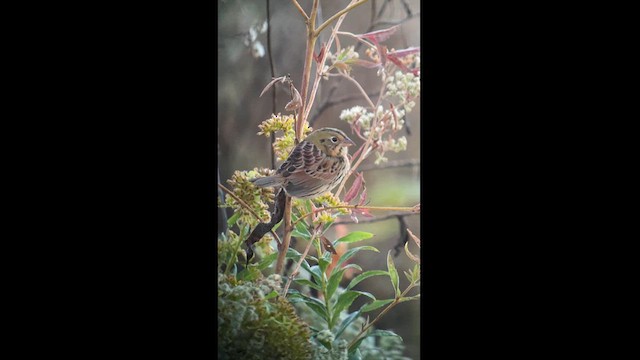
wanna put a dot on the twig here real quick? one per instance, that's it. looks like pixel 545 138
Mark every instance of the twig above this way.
pixel 327 104
pixel 282 251
pixel 222 210
pixel 389 307
pixel 413 209
pixel 297 268
pixel 388 216
pixel 337 15
pixel 392 164
pixel 304 14
pixel 273 72
pixel 364 93
pixel 244 205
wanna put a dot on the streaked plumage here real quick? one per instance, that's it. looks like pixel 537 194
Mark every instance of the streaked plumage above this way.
pixel 316 165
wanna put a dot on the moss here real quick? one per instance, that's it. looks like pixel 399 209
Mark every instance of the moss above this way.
pixel 253 327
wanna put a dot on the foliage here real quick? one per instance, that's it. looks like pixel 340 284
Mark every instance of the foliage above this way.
pixel 253 323
pixel 263 317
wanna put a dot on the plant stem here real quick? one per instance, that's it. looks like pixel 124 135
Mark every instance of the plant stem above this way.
pixel 351 6
pixel 297 268
pixel 382 313
pixel 411 209
pixel 287 236
pixel 244 205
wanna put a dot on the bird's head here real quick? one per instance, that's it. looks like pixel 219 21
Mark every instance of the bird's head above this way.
pixel 331 141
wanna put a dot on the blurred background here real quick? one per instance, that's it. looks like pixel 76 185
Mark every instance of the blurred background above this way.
pixel 244 70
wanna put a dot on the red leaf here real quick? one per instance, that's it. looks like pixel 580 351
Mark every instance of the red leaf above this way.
pixel 318 57
pixel 363 63
pixel 405 52
pixel 363 196
pixel 379 35
pixel 355 188
pixel 399 63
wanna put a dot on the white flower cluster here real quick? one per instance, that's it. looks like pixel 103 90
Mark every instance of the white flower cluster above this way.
pixel 403 85
pixel 250 40
pixel 359 114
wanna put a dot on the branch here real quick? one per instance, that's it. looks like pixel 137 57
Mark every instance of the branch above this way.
pixel 273 72
pixel 304 14
pixel 392 164
pixel 297 268
pixel 413 209
pixel 337 15
pixel 391 215
pixel 244 205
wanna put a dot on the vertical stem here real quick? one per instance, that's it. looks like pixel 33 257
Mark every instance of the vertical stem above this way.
pixel 287 236
pixel 273 72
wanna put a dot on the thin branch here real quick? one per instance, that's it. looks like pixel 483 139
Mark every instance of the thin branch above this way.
pixel 244 204
pixel 273 72
pixel 304 14
pixel 413 209
pixel 364 93
pixel 395 302
pixel 392 164
pixel 327 104
pixel 337 15
pixel 222 210
pixel 388 216
pixel 282 251
pixel 297 268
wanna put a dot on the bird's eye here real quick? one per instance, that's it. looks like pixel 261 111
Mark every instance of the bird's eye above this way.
pixel 334 139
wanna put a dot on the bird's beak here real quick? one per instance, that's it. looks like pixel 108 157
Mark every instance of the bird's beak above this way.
pixel 348 142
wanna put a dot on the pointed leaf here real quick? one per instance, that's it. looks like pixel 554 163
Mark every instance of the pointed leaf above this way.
pixel 409 254
pixel 271 83
pixel 415 238
pixel 404 52
pixel 346 322
pixel 355 237
pixel 334 281
pixel 379 35
pixel 355 188
pixel 365 275
pixel 296 102
pixel 376 304
pixel 349 253
pixel 415 297
pixel 379 332
pixel 309 284
pixel 393 273
pixel 345 300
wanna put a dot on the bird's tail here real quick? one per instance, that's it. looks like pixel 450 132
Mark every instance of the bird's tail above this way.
pixel 267 181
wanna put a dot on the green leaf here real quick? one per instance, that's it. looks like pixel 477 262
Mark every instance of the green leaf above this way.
pixel 346 299
pixel 409 298
pixel 270 295
pixel 301 228
pixel 353 349
pixel 308 283
pixel 393 274
pixel 383 333
pixel 355 355
pixel 354 237
pixel 314 304
pixel 347 255
pixel 316 273
pixel 375 305
pixel 334 281
pixel 266 261
pixel 232 220
pixel 365 275
pixel 324 261
pixel 346 322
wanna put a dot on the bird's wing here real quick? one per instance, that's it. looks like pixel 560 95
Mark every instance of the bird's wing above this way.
pixel 308 168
